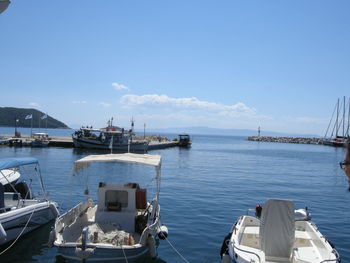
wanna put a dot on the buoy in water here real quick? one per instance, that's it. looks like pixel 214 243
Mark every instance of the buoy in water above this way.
pixel 162 232
pixel 3 235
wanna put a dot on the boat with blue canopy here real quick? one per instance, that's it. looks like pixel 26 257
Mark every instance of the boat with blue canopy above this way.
pixel 24 203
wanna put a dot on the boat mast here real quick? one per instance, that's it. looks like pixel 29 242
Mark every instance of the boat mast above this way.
pixel 347 130
pixel 344 117
pixel 336 122
pixel 329 124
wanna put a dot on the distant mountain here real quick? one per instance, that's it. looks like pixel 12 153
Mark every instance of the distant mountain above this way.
pixel 9 115
pixel 227 132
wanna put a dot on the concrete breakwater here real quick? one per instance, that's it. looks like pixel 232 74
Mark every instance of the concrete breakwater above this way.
pixel 299 140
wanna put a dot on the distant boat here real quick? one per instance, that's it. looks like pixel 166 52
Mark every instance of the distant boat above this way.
pixel 184 140
pixel 111 138
pixel 40 139
pixel 340 122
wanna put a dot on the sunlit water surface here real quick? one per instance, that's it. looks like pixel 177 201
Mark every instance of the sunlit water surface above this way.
pixel 203 191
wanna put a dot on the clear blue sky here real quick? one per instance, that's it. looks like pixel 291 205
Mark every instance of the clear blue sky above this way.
pixel 276 64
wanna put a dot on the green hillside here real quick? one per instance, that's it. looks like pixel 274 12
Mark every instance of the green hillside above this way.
pixel 9 115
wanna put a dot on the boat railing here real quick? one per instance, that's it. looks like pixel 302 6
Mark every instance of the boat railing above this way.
pixel 243 250
pixel 153 219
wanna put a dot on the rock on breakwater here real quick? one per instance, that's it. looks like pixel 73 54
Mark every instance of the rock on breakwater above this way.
pixel 299 140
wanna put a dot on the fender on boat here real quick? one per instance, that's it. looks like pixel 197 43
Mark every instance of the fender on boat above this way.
pixel 52 238
pixel 84 253
pixel 151 243
pixel 3 234
pixel 162 232
pixel 226 259
pixel 224 246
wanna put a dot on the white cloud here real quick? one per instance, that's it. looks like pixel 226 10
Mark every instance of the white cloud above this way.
pixel 118 86
pixel 34 104
pixel 79 102
pixel 105 104
pixel 193 103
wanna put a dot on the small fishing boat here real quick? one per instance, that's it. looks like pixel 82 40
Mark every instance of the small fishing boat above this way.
pixel 40 139
pixel 277 234
pixel 111 138
pixel 184 140
pixel 21 211
pixel 121 227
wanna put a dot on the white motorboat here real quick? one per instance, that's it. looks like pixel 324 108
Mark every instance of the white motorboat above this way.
pixel 121 227
pixel 40 139
pixel 277 234
pixel 21 211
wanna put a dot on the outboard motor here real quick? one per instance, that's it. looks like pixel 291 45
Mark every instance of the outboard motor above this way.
pixel 258 210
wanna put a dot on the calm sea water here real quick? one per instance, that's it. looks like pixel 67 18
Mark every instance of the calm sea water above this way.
pixel 204 189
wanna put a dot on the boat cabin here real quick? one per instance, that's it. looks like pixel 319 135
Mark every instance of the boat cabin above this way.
pixel 184 140
pixel 120 203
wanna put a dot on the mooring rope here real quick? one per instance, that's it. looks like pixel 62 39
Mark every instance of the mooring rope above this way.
pixel 2 252
pixel 183 258
pixel 126 259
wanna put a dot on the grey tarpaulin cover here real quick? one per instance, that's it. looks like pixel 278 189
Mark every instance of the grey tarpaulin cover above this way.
pixel 277 228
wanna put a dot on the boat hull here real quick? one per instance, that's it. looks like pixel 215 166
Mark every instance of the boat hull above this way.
pixel 243 245
pixel 120 147
pixel 104 254
pixel 15 221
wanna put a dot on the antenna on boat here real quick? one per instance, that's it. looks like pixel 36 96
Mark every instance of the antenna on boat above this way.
pixel 132 124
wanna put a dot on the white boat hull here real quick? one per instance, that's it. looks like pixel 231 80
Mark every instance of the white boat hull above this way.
pixel 310 245
pixel 120 147
pixel 15 221
pixel 103 254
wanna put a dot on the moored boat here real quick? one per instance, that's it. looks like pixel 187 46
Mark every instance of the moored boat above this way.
pixel 121 227
pixel 184 140
pixel 21 211
pixel 40 139
pixel 277 234
pixel 111 138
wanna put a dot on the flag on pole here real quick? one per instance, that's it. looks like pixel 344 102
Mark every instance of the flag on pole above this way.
pixel 28 117
pixel 43 117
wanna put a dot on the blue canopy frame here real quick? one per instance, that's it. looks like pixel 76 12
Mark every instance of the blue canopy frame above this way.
pixel 6 163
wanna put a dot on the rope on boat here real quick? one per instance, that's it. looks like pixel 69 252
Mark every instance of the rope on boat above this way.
pixel 2 252
pixel 126 259
pixel 177 252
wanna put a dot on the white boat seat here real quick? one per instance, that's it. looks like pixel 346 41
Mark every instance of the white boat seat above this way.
pixel 277 228
pixel 251 230
pixel 306 254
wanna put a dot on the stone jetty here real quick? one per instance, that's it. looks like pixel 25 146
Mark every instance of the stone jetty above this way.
pixel 298 140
